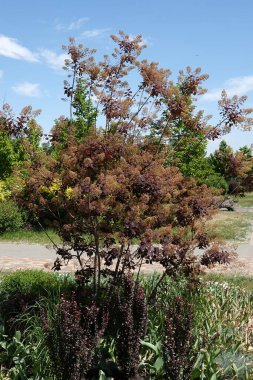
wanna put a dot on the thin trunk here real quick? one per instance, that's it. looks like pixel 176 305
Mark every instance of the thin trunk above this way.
pixel 98 263
pixel 78 256
pixel 138 274
pixel 54 244
pixel 118 261
pixel 161 137
pixel 72 92
pixel 95 274
pixel 123 266
pixel 88 112
pixel 140 108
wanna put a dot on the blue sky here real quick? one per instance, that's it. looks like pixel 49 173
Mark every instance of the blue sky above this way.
pixel 215 35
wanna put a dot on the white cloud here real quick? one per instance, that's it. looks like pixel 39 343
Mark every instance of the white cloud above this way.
pixel 9 47
pixel 233 86
pixel 78 23
pixel 55 61
pixel 27 89
pixel 74 25
pixel 94 33
pixel 59 27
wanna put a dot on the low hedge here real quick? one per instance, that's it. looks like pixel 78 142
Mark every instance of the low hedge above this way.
pixel 23 288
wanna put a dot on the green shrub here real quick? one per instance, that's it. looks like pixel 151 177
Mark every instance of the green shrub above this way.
pixel 217 181
pixel 11 218
pixel 22 289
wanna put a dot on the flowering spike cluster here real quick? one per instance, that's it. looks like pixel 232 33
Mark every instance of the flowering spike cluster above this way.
pixel 72 337
pixel 129 305
pixel 178 340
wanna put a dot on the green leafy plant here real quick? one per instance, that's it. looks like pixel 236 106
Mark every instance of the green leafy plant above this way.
pixel 11 218
pixel 23 358
pixel 217 181
pixel 236 167
pixel 22 289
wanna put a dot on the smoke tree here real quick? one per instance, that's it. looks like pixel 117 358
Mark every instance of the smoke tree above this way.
pixel 111 190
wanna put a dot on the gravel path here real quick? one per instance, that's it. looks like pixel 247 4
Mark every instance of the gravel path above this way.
pixel 15 256
pixel 244 209
pixel 23 256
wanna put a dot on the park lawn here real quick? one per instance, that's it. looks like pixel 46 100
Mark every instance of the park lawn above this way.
pixel 30 236
pixel 232 226
pixel 246 201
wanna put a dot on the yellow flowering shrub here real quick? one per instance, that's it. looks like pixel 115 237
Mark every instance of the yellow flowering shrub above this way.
pixel 69 192
pixel 4 192
pixel 53 189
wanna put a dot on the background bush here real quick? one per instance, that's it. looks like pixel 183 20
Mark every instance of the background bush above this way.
pixel 11 218
pixel 22 289
pixel 217 181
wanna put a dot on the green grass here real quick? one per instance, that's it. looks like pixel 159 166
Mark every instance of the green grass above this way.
pixel 246 201
pixel 26 236
pixel 231 226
